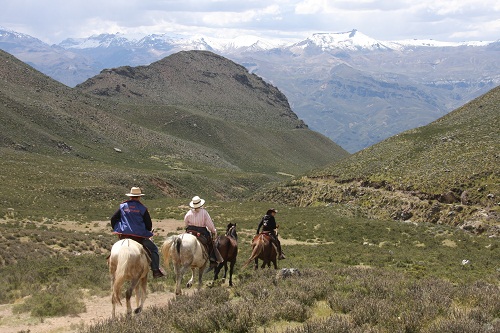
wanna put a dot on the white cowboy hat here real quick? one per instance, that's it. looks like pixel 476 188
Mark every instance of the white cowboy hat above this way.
pixel 135 192
pixel 196 202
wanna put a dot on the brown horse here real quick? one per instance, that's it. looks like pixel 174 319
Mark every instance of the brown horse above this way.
pixel 228 248
pixel 263 249
pixel 128 262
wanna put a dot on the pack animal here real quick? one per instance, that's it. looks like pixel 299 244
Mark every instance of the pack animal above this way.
pixel 228 248
pixel 128 261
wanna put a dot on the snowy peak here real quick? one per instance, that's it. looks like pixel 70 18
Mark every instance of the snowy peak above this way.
pixel 168 42
pixel 96 41
pixel 352 40
pixel 6 34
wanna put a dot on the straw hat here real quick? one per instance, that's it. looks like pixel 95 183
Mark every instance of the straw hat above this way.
pixel 196 202
pixel 135 192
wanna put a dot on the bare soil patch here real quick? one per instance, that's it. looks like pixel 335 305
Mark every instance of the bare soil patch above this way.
pixel 98 309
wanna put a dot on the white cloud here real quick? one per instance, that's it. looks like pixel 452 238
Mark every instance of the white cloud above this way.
pixel 447 20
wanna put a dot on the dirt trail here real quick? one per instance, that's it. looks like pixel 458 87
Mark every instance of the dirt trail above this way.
pixel 98 308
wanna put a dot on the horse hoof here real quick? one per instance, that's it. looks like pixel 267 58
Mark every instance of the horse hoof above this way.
pixel 138 310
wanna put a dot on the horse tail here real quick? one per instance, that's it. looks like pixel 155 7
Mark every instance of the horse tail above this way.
pixel 178 243
pixel 166 247
pixel 256 251
pixel 122 259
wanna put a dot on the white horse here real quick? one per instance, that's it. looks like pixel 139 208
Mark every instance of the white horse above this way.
pixel 186 252
pixel 128 262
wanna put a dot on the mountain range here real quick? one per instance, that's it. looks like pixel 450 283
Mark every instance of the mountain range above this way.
pixel 197 122
pixel 352 88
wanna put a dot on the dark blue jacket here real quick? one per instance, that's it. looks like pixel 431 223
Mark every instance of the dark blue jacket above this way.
pixel 132 218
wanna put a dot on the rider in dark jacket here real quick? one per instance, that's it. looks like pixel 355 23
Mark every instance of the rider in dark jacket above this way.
pixel 132 220
pixel 268 224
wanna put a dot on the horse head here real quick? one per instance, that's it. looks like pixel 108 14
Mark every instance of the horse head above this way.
pixel 231 231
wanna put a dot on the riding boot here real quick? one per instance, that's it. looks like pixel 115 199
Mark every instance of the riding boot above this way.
pixel 155 266
pixel 155 258
pixel 281 255
pixel 211 254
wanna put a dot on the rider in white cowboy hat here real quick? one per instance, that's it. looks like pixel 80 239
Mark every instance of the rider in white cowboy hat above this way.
pixel 198 220
pixel 132 220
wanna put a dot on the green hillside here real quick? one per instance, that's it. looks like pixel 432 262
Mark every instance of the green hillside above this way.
pixel 64 143
pixel 445 172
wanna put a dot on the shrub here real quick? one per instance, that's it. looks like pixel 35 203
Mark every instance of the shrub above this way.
pixel 57 300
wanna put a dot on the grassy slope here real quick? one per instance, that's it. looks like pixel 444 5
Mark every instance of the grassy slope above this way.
pixel 70 137
pixel 447 171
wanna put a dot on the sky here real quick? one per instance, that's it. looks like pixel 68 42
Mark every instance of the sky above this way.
pixel 443 20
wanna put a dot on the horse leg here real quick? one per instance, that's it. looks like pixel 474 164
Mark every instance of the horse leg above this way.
pixel 191 280
pixel 217 270
pixel 128 294
pixel 256 263
pixel 179 273
pixel 200 277
pixel 231 267
pixel 225 270
pixel 140 293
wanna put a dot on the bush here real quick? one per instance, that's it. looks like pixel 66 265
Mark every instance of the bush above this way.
pixel 57 300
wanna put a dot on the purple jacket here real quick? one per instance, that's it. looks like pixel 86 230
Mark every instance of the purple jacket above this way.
pixel 132 218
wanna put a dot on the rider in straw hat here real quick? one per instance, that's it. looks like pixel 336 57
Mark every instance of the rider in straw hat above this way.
pixel 197 219
pixel 132 220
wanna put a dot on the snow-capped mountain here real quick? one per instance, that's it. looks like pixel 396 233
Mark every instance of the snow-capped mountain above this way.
pixel 96 41
pixel 353 88
pixel 349 41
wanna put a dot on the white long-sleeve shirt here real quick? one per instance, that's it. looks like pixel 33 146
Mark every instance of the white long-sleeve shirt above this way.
pixel 199 217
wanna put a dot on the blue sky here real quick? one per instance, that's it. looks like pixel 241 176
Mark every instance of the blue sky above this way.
pixel 444 20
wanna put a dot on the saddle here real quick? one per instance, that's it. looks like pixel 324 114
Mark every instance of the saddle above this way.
pixel 267 235
pixel 202 239
pixel 138 240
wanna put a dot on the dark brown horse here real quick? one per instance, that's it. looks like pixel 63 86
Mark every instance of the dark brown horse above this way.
pixel 263 249
pixel 228 248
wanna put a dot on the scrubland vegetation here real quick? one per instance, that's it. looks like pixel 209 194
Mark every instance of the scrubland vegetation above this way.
pixel 357 275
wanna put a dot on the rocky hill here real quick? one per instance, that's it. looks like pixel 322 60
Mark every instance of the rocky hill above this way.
pixel 135 126
pixel 446 172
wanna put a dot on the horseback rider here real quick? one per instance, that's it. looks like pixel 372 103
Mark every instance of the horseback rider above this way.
pixel 268 224
pixel 132 220
pixel 198 220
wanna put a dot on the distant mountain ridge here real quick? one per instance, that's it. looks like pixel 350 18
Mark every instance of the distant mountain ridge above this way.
pixel 348 86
